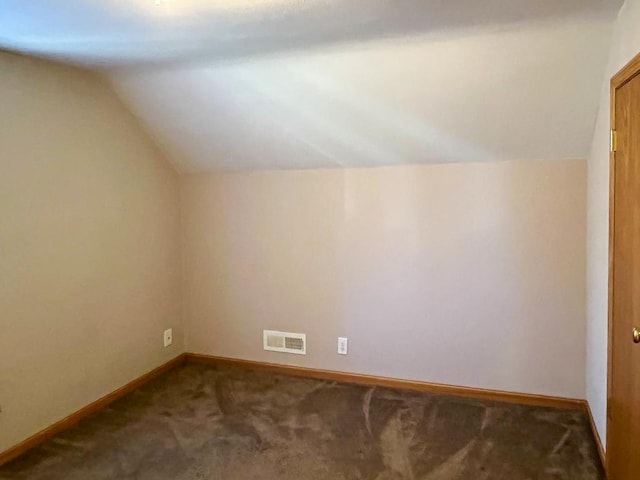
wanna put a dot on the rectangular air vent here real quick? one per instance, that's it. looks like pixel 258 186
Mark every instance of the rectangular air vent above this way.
pixel 286 342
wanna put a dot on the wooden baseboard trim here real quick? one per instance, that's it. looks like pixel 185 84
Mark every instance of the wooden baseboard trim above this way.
pixel 75 417
pixel 498 395
pixel 596 435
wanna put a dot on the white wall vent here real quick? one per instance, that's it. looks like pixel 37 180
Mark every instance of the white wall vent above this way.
pixel 286 342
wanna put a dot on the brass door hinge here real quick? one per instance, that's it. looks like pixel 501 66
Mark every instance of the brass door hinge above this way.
pixel 614 141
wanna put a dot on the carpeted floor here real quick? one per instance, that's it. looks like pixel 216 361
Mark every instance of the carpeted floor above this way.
pixel 219 422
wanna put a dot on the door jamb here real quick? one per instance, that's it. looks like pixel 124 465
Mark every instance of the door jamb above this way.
pixel 628 72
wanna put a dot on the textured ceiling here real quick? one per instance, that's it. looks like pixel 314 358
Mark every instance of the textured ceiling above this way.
pixel 117 31
pixel 299 84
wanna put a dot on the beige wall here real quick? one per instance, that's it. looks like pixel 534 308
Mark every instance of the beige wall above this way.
pixel 469 274
pixel 625 44
pixel 89 246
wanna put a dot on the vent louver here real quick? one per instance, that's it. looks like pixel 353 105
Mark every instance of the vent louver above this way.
pixel 286 342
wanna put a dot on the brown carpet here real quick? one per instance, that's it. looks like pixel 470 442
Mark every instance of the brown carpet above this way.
pixel 221 422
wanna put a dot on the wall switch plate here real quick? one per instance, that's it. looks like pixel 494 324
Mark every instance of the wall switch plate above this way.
pixel 168 337
pixel 342 345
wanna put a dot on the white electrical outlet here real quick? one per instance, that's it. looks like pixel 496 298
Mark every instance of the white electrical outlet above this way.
pixel 342 345
pixel 168 337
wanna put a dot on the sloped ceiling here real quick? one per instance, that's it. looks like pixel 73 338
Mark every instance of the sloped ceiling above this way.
pixel 234 84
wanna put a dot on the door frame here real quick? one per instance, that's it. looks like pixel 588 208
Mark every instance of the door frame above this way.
pixel 627 73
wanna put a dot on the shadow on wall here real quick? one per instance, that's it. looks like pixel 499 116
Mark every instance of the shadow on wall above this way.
pixel 468 271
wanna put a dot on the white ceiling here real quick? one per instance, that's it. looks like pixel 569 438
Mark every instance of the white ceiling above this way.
pixel 315 83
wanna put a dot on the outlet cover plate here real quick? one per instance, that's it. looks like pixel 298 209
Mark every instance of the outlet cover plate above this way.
pixel 343 343
pixel 168 337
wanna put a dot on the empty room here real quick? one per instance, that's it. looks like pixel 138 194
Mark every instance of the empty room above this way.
pixel 319 239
